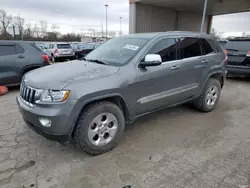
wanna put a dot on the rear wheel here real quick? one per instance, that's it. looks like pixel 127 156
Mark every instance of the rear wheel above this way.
pixel 209 97
pixel 99 128
pixel 53 58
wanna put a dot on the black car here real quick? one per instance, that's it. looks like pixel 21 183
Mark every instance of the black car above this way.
pixel 18 58
pixel 83 49
pixel 238 52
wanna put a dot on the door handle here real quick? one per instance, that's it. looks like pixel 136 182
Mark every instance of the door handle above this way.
pixel 175 67
pixel 21 56
pixel 205 61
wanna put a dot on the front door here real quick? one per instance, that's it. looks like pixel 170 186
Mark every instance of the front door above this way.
pixel 155 85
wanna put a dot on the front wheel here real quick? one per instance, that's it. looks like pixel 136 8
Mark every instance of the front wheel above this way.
pixel 209 97
pixel 99 128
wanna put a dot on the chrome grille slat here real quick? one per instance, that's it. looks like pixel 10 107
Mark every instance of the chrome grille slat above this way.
pixel 27 94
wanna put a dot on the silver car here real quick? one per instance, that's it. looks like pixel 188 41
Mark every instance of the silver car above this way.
pixel 60 50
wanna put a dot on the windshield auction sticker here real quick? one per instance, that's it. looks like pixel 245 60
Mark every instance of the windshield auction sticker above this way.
pixel 131 47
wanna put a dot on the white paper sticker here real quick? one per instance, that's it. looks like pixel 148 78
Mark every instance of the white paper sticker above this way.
pixel 131 47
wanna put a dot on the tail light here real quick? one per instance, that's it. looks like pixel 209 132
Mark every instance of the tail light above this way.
pixel 248 54
pixel 46 58
pixel 226 60
pixel 226 52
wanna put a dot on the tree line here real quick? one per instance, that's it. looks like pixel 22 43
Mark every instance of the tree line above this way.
pixel 40 31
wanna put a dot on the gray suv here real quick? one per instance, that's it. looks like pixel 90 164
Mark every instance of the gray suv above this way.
pixel 92 99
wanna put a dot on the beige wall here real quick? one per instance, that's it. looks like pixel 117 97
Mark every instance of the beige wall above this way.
pixel 147 18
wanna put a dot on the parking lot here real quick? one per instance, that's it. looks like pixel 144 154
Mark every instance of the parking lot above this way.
pixel 177 147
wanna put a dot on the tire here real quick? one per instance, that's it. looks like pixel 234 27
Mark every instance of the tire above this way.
pixel 85 134
pixel 201 103
pixel 53 59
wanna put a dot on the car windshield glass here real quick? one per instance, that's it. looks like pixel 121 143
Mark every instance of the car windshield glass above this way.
pixel 242 46
pixel 63 46
pixel 118 51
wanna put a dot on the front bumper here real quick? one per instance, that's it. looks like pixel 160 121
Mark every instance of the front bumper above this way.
pixel 62 123
pixel 238 70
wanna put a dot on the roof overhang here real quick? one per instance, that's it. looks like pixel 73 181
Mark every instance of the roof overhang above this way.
pixel 214 7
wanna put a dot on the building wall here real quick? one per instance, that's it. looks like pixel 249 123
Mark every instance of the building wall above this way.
pixel 153 19
pixel 147 18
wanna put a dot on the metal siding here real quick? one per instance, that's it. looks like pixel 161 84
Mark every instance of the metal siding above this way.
pixel 153 19
pixel 156 19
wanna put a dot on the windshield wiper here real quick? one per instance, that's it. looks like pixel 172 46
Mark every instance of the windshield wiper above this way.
pixel 233 50
pixel 97 61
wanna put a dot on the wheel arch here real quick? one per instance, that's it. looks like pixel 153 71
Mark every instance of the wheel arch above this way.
pixel 116 98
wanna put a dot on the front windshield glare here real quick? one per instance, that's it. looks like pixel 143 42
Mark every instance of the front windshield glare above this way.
pixel 117 51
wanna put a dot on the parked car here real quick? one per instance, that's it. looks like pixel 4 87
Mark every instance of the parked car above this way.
pixel 91 100
pixel 238 52
pixel 18 58
pixel 82 49
pixel 60 51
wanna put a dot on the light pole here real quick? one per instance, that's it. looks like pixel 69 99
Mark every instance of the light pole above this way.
pixel 204 15
pixel 120 26
pixel 106 21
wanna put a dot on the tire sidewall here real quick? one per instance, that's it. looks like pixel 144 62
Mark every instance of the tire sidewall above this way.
pixel 105 108
pixel 53 58
pixel 212 83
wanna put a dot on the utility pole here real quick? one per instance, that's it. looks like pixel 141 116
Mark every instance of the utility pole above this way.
pixel 20 27
pixel 120 26
pixel 14 32
pixel 106 21
pixel 102 30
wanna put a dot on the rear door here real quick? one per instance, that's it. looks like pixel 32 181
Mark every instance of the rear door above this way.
pixel 12 59
pixel 238 52
pixel 190 68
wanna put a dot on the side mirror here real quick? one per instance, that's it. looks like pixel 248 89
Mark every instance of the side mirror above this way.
pixel 151 60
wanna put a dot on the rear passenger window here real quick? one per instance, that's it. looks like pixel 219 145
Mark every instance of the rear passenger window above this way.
pixel 7 50
pixel 19 49
pixel 207 49
pixel 190 47
pixel 166 48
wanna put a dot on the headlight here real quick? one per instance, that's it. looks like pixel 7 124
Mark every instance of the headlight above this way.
pixel 53 96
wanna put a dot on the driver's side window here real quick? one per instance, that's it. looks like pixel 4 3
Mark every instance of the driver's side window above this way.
pixel 166 48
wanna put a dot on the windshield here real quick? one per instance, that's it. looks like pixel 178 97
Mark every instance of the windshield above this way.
pixel 241 46
pixel 118 51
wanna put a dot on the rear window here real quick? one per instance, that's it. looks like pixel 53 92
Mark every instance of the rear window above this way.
pixel 64 46
pixel 207 49
pixel 34 45
pixel 242 46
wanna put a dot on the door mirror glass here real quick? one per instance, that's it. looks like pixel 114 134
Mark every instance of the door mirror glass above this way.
pixel 151 60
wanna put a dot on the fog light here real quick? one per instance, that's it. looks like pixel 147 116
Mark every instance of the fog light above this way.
pixel 45 122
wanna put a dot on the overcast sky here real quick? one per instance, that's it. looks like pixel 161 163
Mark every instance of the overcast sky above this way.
pixel 71 15
pixel 76 15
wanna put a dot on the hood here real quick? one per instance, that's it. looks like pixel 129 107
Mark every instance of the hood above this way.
pixel 59 75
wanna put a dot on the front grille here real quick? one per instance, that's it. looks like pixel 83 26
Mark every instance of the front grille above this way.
pixel 27 94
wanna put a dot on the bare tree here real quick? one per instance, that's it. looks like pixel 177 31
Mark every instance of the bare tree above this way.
pixel 44 27
pixel 54 27
pixel 36 31
pixel 19 22
pixel 5 21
